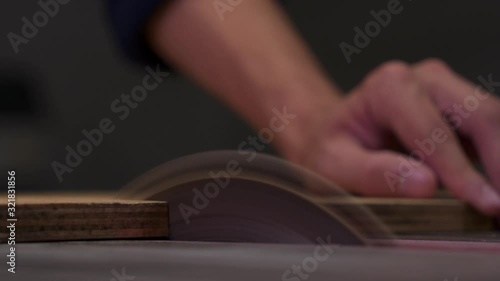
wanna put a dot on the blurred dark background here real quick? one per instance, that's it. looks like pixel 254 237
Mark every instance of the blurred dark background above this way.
pixel 65 78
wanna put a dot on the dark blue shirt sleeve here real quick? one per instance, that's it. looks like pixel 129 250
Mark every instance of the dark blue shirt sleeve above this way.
pixel 128 19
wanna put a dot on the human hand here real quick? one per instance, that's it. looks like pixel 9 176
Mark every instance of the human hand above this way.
pixel 348 140
pixel 353 144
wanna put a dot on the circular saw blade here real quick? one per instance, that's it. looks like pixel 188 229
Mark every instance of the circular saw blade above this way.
pixel 231 197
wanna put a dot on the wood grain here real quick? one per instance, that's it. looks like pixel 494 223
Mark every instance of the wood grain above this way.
pixel 418 216
pixel 62 217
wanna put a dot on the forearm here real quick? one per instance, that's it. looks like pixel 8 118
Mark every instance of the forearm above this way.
pixel 253 61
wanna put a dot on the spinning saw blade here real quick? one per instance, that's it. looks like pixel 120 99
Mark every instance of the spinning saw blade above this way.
pixel 225 196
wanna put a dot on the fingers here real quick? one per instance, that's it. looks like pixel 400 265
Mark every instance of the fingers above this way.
pixel 374 173
pixel 472 111
pixel 403 106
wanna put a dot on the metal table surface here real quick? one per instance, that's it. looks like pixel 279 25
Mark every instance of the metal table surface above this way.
pixel 168 260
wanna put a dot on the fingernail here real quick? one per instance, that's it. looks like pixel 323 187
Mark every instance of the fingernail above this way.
pixel 490 198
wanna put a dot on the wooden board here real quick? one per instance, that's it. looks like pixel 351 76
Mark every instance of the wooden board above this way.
pixel 60 217
pixel 419 216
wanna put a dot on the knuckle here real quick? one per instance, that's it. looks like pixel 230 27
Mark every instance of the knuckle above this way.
pixel 433 65
pixel 393 71
pixel 389 80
